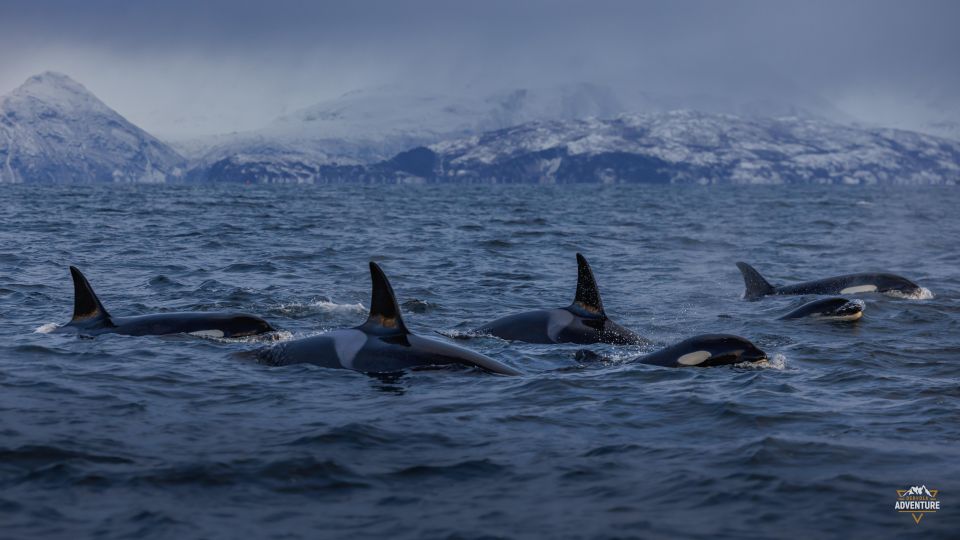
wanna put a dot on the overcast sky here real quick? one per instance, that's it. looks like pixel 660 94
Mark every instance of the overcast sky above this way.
pixel 188 67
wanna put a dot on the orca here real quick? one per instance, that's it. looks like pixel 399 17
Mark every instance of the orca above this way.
pixel 758 287
pixel 831 309
pixel 583 322
pixel 382 344
pixel 90 318
pixel 707 350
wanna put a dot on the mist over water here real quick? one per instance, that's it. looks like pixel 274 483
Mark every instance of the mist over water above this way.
pixel 181 436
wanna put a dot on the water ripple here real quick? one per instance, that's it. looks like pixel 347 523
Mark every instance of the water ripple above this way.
pixel 181 437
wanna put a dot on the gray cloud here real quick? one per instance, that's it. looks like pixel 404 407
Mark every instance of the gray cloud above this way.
pixel 183 67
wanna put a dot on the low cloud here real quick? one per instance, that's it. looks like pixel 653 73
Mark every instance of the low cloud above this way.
pixel 184 68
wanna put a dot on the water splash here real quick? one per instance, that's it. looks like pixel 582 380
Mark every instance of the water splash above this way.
pixel 776 361
pixel 270 337
pixel 465 334
pixel 922 294
pixel 46 328
pixel 319 306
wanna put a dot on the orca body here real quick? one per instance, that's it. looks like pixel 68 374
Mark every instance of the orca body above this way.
pixel 707 350
pixel 758 287
pixel 380 345
pixel 583 322
pixel 829 309
pixel 90 318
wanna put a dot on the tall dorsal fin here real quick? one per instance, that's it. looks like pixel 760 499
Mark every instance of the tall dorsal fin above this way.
pixel 86 305
pixel 756 285
pixel 384 312
pixel 588 295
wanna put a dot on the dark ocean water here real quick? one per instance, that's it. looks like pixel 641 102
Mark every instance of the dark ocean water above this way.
pixel 185 437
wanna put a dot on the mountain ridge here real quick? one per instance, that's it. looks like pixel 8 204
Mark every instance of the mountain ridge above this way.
pixel 52 129
pixel 681 147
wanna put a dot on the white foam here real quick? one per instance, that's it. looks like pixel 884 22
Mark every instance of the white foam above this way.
pixel 776 361
pixel 272 337
pixel 323 306
pixel 464 334
pixel 923 294
pixel 283 335
pixel 46 328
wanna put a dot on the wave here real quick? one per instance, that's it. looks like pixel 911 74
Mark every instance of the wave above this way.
pixel 776 361
pixel 416 305
pixel 464 334
pixel 45 455
pixel 319 306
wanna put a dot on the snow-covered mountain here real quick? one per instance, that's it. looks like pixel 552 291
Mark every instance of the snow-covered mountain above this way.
pixel 52 129
pixel 672 147
pixel 366 126
pixel 372 124
pixel 693 147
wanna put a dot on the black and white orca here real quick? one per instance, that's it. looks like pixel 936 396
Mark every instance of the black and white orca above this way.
pixel 90 318
pixel 584 321
pixel 758 287
pixel 707 350
pixel 380 345
pixel 829 309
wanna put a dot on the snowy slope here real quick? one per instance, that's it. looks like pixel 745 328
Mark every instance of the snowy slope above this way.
pixel 672 147
pixel 688 146
pixel 52 129
pixel 367 126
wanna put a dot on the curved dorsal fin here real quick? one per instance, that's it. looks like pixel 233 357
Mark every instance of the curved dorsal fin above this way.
pixel 86 305
pixel 756 285
pixel 588 295
pixel 384 315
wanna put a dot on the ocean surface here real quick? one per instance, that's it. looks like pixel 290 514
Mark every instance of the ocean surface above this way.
pixel 188 437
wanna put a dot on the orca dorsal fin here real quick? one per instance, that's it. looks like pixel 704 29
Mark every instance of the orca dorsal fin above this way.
pixel 588 295
pixel 384 315
pixel 757 286
pixel 86 305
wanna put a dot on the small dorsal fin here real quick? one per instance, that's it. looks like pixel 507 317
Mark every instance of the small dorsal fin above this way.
pixel 86 305
pixel 588 295
pixel 384 312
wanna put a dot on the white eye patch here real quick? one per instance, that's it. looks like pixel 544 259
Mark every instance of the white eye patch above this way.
pixel 694 358
pixel 208 333
pixel 859 289
pixel 851 317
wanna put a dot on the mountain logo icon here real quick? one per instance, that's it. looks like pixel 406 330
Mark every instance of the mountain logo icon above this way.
pixel 917 501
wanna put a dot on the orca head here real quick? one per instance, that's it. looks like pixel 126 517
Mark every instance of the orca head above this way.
pixel 718 350
pixel 246 325
pixel 839 308
pixel 897 284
